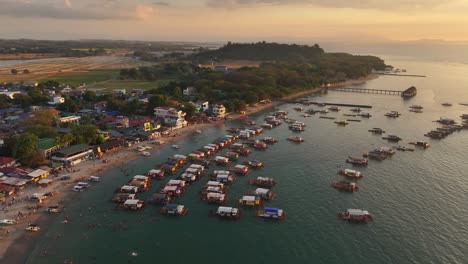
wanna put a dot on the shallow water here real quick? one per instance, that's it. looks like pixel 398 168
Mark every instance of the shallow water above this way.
pixel 418 199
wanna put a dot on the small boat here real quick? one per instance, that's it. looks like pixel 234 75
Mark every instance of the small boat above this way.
pixel 227 212
pixel 345 186
pixel 392 138
pixel 366 115
pixel 393 114
pixel 78 188
pixel 270 140
pixel 174 190
pixel 94 179
pixel 355 109
pixel 271 213
pixel 255 164
pixel 250 200
pixel 305 115
pixel 233 130
pixel 262 182
pixel 334 109
pixel 377 130
pixel 8 222
pixel 159 142
pixel 266 125
pixel 232 155
pixel 446 121
pixel 132 205
pixel 160 199
pixel 357 161
pixel 351 173
pixel 198 131
pixel 220 160
pixel 416 107
pixel 157 174
pixel 355 216
pixel 423 144
pixel 416 111
pixel 146 154
pixel 222 176
pixel 299 108
pixel 403 148
pixel 33 228
pixel 173 209
pixel 240 169
pixel 175 146
pixel 54 209
pixel 122 197
pixel 296 139
pixel 260 146
pixel 341 123
pixel 214 198
pixel 264 194
pixel 324 111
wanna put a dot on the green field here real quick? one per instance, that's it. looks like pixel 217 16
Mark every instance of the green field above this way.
pixel 90 77
pixel 127 84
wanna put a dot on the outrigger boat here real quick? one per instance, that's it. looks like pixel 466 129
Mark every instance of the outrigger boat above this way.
pixel 296 139
pixel 392 138
pixel 220 160
pixel 446 104
pixel 160 199
pixel 425 145
pixel 8 222
pixel 255 164
pixel 214 198
pixel 355 109
pixel 264 194
pixel 157 174
pixel 94 179
pixel 233 130
pixel 173 190
pixel 416 107
pixel 270 140
pixel 357 161
pixel 260 145
pixel 227 212
pixel 250 200
pixel 403 148
pixel 393 114
pixel 132 205
pixel 54 209
pixel 122 197
pixel 334 109
pixel 377 130
pixel 263 182
pixel 351 173
pixel 365 115
pixel 173 209
pixel 345 186
pixel 355 216
pixel 271 213
pixel 223 176
pixel 240 169
pixel 33 228
pixel 342 122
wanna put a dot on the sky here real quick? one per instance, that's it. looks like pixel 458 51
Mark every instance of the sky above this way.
pixel 236 20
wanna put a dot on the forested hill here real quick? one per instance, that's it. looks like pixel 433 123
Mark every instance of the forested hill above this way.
pixel 274 52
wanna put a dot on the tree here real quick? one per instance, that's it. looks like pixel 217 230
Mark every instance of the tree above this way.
pixel 85 134
pixel 26 71
pixel 65 139
pixel 5 101
pixel 25 145
pixel 14 71
pixel 189 109
pixel 69 105
pixel 23 100
pixel 90 96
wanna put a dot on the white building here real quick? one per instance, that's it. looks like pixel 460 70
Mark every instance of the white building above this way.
pixel 189 91
pixel 70 119
pixel 201 106
pixel 57 100
pixel 219 110
pixel 10 94
pixel 172 117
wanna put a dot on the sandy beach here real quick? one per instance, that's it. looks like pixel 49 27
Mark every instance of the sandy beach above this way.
pixel 16 243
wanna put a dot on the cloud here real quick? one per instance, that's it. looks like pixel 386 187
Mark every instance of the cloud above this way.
pixel 359 4
pixel 76 9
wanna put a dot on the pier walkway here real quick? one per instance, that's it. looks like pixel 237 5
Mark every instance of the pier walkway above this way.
pixel 363 90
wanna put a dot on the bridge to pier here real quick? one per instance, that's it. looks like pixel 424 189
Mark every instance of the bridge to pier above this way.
pixel 363 90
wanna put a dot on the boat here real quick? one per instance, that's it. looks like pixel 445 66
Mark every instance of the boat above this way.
pixel 408 93
pixel 122 197
pixel 305 115
pixel 146 154
pixel 262 182
pixel 446 121
pixel 351 173
pixel 295 139
pixel 260 146
pixel 175 146
pixel 178 183
pixel 159 142
pixel 464 116
pixel 355 109
pixel 266 125
pixel 393 114
pixel 157 174
pixel 375 155
pixel 8 222
pixel 240 169
pixel 297 128
pixel 54 209
pixel 345 186
pixel 366 115
pixel 376 130
pixel 403 148
pixel 446 104
pixel 324 111
pixel 78 188
pixel 392 138
pixel 214 198
pixel 416 111
pixel 357 161
pixel 327 117
pixel 33 228
pixel 227 212
pixel 233 130
pixel 132 205
pixel 423 144
pixel 174 190
pixel 355 216
pixel 416 107
pixel 271 213
pixel 160 199
pixel 341 122
pixel 264 194
pixel 250 200
pixel 334 109
pixel 173 209
pixel 198 131
pixel 94 179
pixel 299 108
pixel 220 160
pixel 255 164
pixel 270 140
pixel 223 176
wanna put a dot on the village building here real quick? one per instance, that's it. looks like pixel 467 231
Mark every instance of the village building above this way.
pixel 37 175
pixel 70 120
pixel 201 106
pixel 190 91
pixel 219 111
pixel 171 116
pixel 6 162
pixel 46 146
pixel 10 94
pixel 74 154
pixel 57 100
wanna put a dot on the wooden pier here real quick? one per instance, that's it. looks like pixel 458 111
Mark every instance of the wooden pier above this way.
pixel 363 90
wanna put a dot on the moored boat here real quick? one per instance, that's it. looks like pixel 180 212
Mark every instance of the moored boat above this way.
pixel 160 199
pixel 8 222
pixel 260 146
pixel 393 114
pixel 264 194
pixel 295 139
pixel 250 200
pixel 355 109
pixel 392 138
pixel 446 104
pixel 216 198
pixel 342 122
pixel 173 209
pixel 132 205
pixel 240 169
pixel 271 213
pixel 33 228
pixel 355 216
pixel 227 212
pixel 270 140
pixel 345 186
pixel 357 161
pixel 262 182
pixel 403 148
pixel 416 107
pixel 222 176
pixel 351 173
pixel 122 197
pixel 220 160
pixel 377 130
pixel 423 144
pixel 256 164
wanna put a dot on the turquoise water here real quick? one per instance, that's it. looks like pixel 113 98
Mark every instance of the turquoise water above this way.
pixel 418 199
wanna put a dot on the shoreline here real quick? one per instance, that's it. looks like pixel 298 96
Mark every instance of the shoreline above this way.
pixel 16 243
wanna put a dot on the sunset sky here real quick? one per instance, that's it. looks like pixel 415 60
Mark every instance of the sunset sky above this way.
pixel 236 20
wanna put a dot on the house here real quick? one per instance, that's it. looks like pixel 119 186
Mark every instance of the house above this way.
pixel 57 100
pixel 201 106
pixel 10 94
pixel 171 116
pixel 37 175
pixel 74 154
pixel 70 119
pixel 111 145
pixel 221 68
pixel 6 162
pixel 46 146
pixel 219 111
pixel 189 91
pixel 119 91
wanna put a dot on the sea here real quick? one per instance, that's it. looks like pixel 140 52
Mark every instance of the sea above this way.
pixel 419 199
